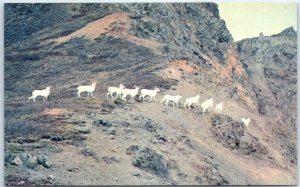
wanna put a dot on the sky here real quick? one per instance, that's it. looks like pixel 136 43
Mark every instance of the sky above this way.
pixel 247 20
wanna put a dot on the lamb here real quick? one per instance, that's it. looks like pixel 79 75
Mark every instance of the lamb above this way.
pixel 219 107
pixel 191 100
pixel 117 90
pixel 44 93
pixel 150 93
pixel 206 104
pixel 86 88
pixel 173 98
pixel 246 121
pixel 131 92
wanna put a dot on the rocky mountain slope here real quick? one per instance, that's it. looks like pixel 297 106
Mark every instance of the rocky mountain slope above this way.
pixel 183 48
pixel 271 63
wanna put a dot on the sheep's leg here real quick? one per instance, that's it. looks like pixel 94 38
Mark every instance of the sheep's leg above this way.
pixel 112 95
pixel 203 110
pixel 189 106
pixel 167 102
pixel 30 98
pixel 150 99
pixel 78 94
pixel 177 104
pixel 124 97
pixel 92 94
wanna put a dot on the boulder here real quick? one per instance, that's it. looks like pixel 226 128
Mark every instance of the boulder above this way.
pixel 43 160
pixel 29 160
pixel 148 160
pixel 17 161
pixel 102 123
pixel 111 130
pixel 83 130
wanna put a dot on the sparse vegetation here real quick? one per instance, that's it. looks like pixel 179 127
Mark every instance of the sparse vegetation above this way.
pixel 23 129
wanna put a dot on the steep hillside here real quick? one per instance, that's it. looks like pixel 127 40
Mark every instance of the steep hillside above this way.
pixel 271 63
pixel 183 48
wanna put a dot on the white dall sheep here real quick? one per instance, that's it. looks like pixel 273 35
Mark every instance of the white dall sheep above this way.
pixel 117 90
pixel 44 93
pixel 192 100
pixel 86 88
pixel 131 92
pixel 206 104
pixel 219 107
pixel 246 121
pixel 174 99
pixel 150 93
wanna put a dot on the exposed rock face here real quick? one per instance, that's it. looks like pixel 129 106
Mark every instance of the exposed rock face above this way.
pixel 271 63
pixel 148 160
pixel 186 29
pixel 234 135
pixel 191 31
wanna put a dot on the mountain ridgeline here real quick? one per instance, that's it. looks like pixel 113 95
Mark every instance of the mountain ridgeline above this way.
pixel 183 48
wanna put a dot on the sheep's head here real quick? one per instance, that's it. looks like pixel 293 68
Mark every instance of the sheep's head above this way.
pixel 198 96
pixel 94 83
pixel 179 96
pixel 121 86
pixel 157 89
pixel 48 88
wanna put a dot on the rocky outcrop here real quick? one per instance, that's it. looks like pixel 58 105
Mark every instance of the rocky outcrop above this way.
pixel 271 64
pixel 148 160
pixel 234 135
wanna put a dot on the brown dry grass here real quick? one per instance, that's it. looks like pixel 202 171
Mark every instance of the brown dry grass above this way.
pixel 54 111
pixel 231 67
pixel 185 66
pixel 242 93
pixel 233 64
pixel 116 25
pixel 95 28
pixel 176 69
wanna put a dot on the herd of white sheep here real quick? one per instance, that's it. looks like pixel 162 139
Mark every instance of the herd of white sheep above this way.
pixel 122 92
